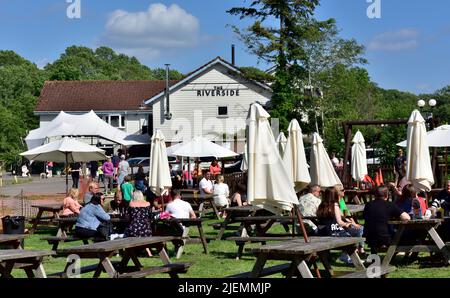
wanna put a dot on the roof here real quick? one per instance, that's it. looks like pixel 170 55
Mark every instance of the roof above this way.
pixel 218 60
pixel 97 95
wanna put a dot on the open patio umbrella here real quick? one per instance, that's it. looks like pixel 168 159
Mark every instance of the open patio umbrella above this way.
pixel 438 137
pixel 294 157
pixel 322 171
pixel 359 160
pixel 418 164
pixel 281 142
pixel 159 179
pixel 66 150
pixel 200 147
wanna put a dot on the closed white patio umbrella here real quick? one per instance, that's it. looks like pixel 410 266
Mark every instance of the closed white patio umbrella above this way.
pixel 66 150
pixel 269 185
pixel 418 164
pixel 159 179
pixel 321 169
pixel 359 160
pixel 294 157
pixel 200 147
pixel 281 142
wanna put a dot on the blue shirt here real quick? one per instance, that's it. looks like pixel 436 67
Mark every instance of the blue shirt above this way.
pixel 91 216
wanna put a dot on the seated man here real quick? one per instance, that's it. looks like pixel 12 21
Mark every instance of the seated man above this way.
pixel 179 208
pixel 443 201
pixel 92 189
pixel 376 215
pixel 308 205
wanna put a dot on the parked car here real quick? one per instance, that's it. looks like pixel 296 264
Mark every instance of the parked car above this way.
pixel 145 162
pixel 373 156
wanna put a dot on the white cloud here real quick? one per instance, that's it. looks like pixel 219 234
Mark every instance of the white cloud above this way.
pixel 403 39
pixel 146 34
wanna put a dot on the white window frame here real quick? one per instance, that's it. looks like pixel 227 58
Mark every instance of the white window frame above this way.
pixel 107 119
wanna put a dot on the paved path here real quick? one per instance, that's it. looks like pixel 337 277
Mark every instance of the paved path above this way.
pixel 54 185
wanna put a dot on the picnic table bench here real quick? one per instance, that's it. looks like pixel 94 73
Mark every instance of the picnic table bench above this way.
pixel 358 196
pixel 12 240
pixel 232 213
pixel 300 254
pixel 428 228
pixel 201 205
pixel 130 247
pixel 28 260
pixel 40 219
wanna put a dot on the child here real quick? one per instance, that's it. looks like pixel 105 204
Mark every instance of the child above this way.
pixel 127 190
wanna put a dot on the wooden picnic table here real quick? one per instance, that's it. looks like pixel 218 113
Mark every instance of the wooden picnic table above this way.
pixel 299 253
pixel 422 225
pixel 232 213
pixel 131 247
pixel 28 260
pixel 65 223
pixel 14 240
pixel 188 222
pixel 355 208
pixel 203 205
pixel 51 208
pixel 358 196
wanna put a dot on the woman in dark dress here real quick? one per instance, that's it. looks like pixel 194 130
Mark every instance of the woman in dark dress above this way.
pixel 139 179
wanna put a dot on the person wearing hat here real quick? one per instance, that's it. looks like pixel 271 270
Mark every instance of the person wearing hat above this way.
pixel 124 167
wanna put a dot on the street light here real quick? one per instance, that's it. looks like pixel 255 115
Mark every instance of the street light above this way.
pixel 429 114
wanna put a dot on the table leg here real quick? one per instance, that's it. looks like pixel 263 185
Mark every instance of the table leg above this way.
pixel 37 219
pixel 5 269
pixel 223 227
pixel 356 260
pixel 304 270
pixel 259 265
pixel 323 256
pixel 216 211
pixel 134 258
pixel 202 237
pixel 40 272
pixel 164 256
pixel 109 268
pixel 393 247
pixel 440 244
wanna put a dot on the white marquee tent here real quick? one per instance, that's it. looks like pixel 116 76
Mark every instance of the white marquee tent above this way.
pixel 88 124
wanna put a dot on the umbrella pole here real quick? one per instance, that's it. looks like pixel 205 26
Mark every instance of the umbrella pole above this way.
pixel 300 221
pixel 67 177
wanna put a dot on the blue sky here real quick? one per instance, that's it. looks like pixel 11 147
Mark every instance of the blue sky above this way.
pixel 407 47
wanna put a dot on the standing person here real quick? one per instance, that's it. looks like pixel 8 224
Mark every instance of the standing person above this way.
pixel 75 172
pixel 214 168
pixel 93 221
pixel 108 175
pixel 93 167
pixel 123 169
pixel 205 186
pixel 377 214
pixel 100 173
pixel 127 190
pixel 334 160
pixel 70 203
pixel 399 161
pixel 187 176
pixel 49 169
pixel 139 180
pixel 195 174
pixel 308 205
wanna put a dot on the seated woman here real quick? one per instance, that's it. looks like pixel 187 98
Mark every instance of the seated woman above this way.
pixel 412 204
pixel 70 204
pixel 158 202
pixel 239 198
pixel 221 193
pixel 93 221
pixel 329 214
pixel 139 214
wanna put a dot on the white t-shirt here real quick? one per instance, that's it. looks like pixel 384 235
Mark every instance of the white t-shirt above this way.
pixel 205 184
pixel 179 208
pixel 124 167
pixel 221 193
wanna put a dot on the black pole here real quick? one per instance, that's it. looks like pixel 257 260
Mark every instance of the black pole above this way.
pixel 232 55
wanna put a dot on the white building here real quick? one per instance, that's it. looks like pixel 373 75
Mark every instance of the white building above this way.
pixel 213 101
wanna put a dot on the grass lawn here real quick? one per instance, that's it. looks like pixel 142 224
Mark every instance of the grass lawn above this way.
pixel 220 262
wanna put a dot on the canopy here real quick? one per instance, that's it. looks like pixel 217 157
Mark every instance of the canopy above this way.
pixel 294 157
pixel 322 171
pixel 200 147
pixel 359 160
pixel 438 137
pixel 418 164
pixel 244 163
pixel 88 124
pixel 66 150
pixel 269 185
pixel 281 141
pixel 159 179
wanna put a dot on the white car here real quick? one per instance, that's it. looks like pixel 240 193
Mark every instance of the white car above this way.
pixel 134 163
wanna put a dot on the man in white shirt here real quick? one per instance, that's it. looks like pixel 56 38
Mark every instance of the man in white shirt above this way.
pixel 179 208
pixel 206 185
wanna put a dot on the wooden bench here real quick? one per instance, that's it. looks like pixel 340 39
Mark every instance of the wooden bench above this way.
pixel 241 241
pixel 282 268
pixel 168 268
pixel 55 240
pixel 365 273
pixel 84 269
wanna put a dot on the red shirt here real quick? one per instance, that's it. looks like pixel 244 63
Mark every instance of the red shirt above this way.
pixel 214 170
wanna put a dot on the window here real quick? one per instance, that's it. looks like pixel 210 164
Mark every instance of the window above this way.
pixel 117 121
pixel 222 111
